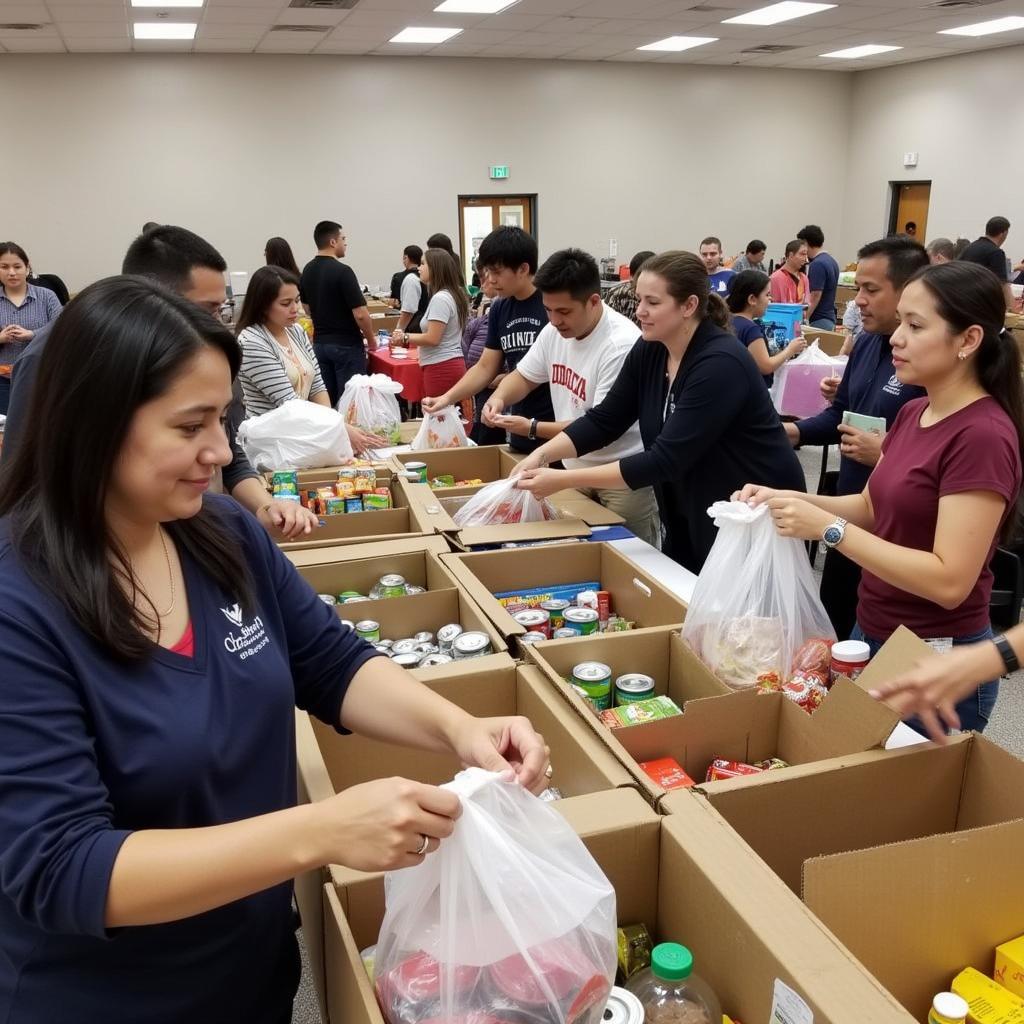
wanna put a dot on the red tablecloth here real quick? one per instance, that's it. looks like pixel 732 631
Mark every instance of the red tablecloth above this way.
pixel 406 371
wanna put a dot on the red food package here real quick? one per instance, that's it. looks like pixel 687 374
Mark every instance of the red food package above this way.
pixel 721 769
pixel 667 773
pixel 814 658
pixel 769 682
pixel 806 690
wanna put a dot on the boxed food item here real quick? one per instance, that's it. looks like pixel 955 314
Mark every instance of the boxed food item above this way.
pixel 640 712
pixel 1009 970
pixel 987 1001
pixel 667 773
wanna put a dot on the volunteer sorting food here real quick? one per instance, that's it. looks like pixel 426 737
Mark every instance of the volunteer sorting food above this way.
pixel 155 644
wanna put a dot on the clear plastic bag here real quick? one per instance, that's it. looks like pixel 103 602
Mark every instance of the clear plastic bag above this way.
pixel 442 429
pixel 296 435
pixel 503 502
pixel 370 403
pixel 755 618
pixel 511 919
pixel 796 389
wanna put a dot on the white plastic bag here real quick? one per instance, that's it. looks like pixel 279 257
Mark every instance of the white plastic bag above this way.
pixel 441 429
pixel 796 389
pixel 755 618
pixel 502 502
pixel 296 435
pixel 369 402
pixel 511 919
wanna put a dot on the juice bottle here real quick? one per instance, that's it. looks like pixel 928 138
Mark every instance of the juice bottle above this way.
pixel 948 1008
pixel 671 993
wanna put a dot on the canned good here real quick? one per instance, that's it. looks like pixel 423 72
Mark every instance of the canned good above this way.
pixel 381 649
pixel 411 660
pixel 447 634
pixel 583 621
pixel 354 598
pixel 471 645
pixel 387 643
pixel 411 588
pixel 536 620
pixel 433 660
pixel 632 687
pixel 368 630
pixel 424 637
pixel 392 585
pixel 353 504
pixel 404 646
pixel 425 649
pixel 412 990
pixel 347 595
pixel 524 986
pixel 849 658
pixel 623 1008
pixel 595 679
pixel 328 599
pixel 419 468
pixel 604 605
pixel 533 637
pixel 587 599
pixel 550 795
pixel 556 611
pixel 564 634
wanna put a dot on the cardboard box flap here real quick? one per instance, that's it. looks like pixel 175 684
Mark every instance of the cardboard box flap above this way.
pixel 349 992
pixel 936 905
pixel 899 654
pixel 372 549
pixel 993 788
pixel 554 529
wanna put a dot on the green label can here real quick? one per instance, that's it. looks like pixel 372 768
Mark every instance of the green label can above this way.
pixel 583 620
pixel 392 585
pixel 556 611
pixel 368 630
pixel 595 679
pixel 419 468
pixel 633 687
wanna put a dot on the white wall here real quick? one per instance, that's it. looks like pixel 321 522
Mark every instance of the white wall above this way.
pixel 243 147
pixel 964 117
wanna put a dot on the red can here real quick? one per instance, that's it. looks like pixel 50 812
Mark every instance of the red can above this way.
pixel 411 992
pixel 604 605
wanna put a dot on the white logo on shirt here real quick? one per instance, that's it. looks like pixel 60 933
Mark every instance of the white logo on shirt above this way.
pixel 894 387
pixel 249 639
pixel 233 614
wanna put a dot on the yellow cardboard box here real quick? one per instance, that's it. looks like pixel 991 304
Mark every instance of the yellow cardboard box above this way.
pixel 989 1002
pixel 1010 966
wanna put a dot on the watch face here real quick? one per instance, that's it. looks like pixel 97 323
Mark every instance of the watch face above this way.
pixel 833 535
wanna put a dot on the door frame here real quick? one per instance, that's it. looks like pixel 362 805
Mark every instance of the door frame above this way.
pixel 530 197
pixel 892 222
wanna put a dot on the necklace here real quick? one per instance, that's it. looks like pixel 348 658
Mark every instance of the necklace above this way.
pixel 170 576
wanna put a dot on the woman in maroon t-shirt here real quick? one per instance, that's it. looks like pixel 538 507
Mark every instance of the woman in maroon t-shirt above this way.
pixel 926 526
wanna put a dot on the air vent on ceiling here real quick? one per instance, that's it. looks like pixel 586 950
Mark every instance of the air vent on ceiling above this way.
pixel 324 5
pixel 957 5
pixel 769 48
pixel 21 26
pixel 319 29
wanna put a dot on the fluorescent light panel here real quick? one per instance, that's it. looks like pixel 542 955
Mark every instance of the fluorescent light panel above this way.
pixel 776 13
pixel 415 34
pixel 473 6
pixel 165 4
pixel 675 44
pixel 855 52
pixel 986 28
pixel 165 29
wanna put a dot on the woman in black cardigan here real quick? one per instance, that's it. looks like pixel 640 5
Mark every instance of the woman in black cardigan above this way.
pixel 706 418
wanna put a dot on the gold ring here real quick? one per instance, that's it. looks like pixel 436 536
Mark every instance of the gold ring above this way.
pixel 423 848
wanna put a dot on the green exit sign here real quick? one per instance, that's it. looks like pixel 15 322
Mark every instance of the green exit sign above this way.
pixel 499 171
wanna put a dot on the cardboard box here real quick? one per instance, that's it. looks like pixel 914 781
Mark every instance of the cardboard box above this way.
pixel 716 722
pixel 688 882
pixel 911 858
pixel 329 762
pixel 844 293
pixel 635 596
pixel 1009 969
pixel 830 342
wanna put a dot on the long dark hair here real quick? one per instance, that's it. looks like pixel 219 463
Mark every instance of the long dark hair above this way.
pixel 279 254
pixel 445 277
pixel 968 295
pixel 117 345
pixel 746 285
pixel 264 287
pixel 15 250
pixel 685 274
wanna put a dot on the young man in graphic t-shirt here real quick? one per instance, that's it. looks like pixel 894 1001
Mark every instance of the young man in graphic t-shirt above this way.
pixel 509 255
pixel 718 276
pixel 579 354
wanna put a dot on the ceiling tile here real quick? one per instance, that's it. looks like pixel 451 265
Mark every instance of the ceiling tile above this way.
pixel 248 15
pixel 52 44
pixel 223 46
pixel 62 12
pixel 303 17
pixel 93 45
pixel 210 33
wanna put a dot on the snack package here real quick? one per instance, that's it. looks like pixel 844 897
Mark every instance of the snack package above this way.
pixel 796 390
pixel 511 919
pixel 502 502
pixel 442 429
pixel 300 435
pixel 756 605
pixel 369 403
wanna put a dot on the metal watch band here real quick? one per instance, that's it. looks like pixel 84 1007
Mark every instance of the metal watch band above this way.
pixel 1010 659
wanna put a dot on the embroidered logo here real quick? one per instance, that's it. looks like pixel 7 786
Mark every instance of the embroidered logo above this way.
pixel 245 640
pixel 894 387
pixel 233 615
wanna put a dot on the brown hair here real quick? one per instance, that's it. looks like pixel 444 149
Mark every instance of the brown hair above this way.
pixel 445 276
pixel 684 275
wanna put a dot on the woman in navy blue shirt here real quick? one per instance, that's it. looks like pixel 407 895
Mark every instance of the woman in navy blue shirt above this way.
pixel 748 301
pixel 154 644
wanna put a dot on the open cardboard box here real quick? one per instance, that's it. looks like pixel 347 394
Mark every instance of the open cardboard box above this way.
pixel 635 595
pixel 911 858
pixel 716 722
pixel 484 462
pixel 333 569
pixel 325 476
pixel 688 881
pixel 329 762
pixel 830 342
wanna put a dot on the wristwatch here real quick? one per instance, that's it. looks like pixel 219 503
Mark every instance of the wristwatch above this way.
pixel 533 430
pixel 834 533
pixel 1006 652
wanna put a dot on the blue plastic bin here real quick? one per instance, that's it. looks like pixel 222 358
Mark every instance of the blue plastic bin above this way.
pixel 781 323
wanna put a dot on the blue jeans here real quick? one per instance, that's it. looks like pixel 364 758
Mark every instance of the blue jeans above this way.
pixel 823 325
pixel 974 711
pixel 338 362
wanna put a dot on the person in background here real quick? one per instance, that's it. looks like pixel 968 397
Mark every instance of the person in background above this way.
pixel 622 298
pixel 789 283
pixel 24 309
pixel 474 339
pixel 579 355
pixel 509 257
pixel 752 258
pixel 941 250
pixel 960 246
pixel 278 253
pixel 822 277
pixel 869 387
pixel 854 325
pixel 748 300
pixel 705 415
pixel 988 252
pixel 718 276
pixel 413 294
pixel 342 328
pixel 948 483
pixel 154 646
pixel 910 229
pixel 439 240
pixel 182 261
pixel 440 340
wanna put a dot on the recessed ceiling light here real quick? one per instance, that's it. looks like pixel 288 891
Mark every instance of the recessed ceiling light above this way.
pixel 868 50
pixel 986 28
pixel 424 35
pixel 776 13
pixel 673 44
pixel 473 6
pixel 165 29
pixel 167 3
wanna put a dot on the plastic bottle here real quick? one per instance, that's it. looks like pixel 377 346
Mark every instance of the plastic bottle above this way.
pixel 671 993
pixel 948 1008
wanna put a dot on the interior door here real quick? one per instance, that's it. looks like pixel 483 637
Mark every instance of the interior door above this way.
pixel 480 215
pixel 911 201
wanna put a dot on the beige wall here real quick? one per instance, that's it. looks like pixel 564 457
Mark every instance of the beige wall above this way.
pixel 963 115
pixel 241 148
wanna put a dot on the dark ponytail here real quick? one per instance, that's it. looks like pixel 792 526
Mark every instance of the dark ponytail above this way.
pixel 968 295
pixel 685 275
pixel 718 312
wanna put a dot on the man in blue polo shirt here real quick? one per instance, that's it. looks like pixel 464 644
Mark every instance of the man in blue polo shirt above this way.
pixel 823 274
pixel 870 387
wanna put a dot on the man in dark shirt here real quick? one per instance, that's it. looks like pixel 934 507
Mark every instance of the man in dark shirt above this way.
pixel 869 387
pixel 988 251
pixel 412 257
pixel 509 256
pixel 341 321
pixel 823 275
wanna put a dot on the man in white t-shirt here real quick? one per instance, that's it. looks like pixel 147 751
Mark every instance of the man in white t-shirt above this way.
pixel 579 354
